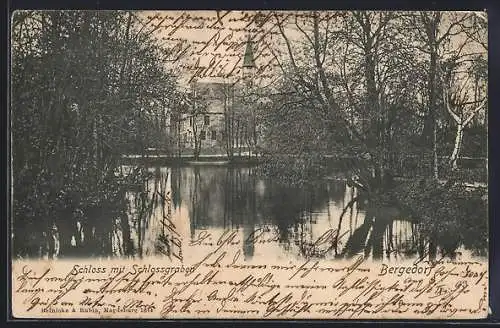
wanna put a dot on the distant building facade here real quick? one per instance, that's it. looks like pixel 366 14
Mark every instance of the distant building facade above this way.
pixel 205 121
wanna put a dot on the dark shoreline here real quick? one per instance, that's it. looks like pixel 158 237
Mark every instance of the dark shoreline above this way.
pixel 209 160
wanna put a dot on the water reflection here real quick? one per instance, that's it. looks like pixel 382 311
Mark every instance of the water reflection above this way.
pixel 328 220
pixel 274 221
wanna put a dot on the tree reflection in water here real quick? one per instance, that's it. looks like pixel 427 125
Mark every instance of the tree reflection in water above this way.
pixel 327 220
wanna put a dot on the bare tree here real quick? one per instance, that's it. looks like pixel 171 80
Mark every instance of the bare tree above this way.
pixel 434 31
pixel 464 96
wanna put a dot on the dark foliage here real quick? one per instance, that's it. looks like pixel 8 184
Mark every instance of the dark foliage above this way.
pixel 86 88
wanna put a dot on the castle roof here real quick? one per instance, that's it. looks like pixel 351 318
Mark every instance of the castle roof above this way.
pixel 248 59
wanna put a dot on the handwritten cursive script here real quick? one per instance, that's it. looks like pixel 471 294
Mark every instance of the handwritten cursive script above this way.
pixel 219 283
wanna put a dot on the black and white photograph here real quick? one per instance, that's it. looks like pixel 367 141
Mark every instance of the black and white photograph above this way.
pixel 242 139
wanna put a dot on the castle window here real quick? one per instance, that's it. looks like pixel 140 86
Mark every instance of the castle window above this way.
pixel 203 135
pixel 214 135
pixel 207 120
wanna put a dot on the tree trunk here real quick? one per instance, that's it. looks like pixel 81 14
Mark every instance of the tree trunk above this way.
pixel 239 137
pixel 179 141
pixel 456 147
pixel 230 126
pixel 373 109
pixel 95 148
pixel 195 141
pixel 197 147
pixel 227 139
pixel 434 152
pixel 433 110
pixel 433 45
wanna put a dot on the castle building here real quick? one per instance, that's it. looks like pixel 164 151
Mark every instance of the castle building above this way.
pixel 208 120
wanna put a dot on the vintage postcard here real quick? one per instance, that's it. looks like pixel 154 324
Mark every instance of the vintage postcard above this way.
pixel 249 164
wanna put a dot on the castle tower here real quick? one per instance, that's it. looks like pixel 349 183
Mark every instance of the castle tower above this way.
pixel 248 68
